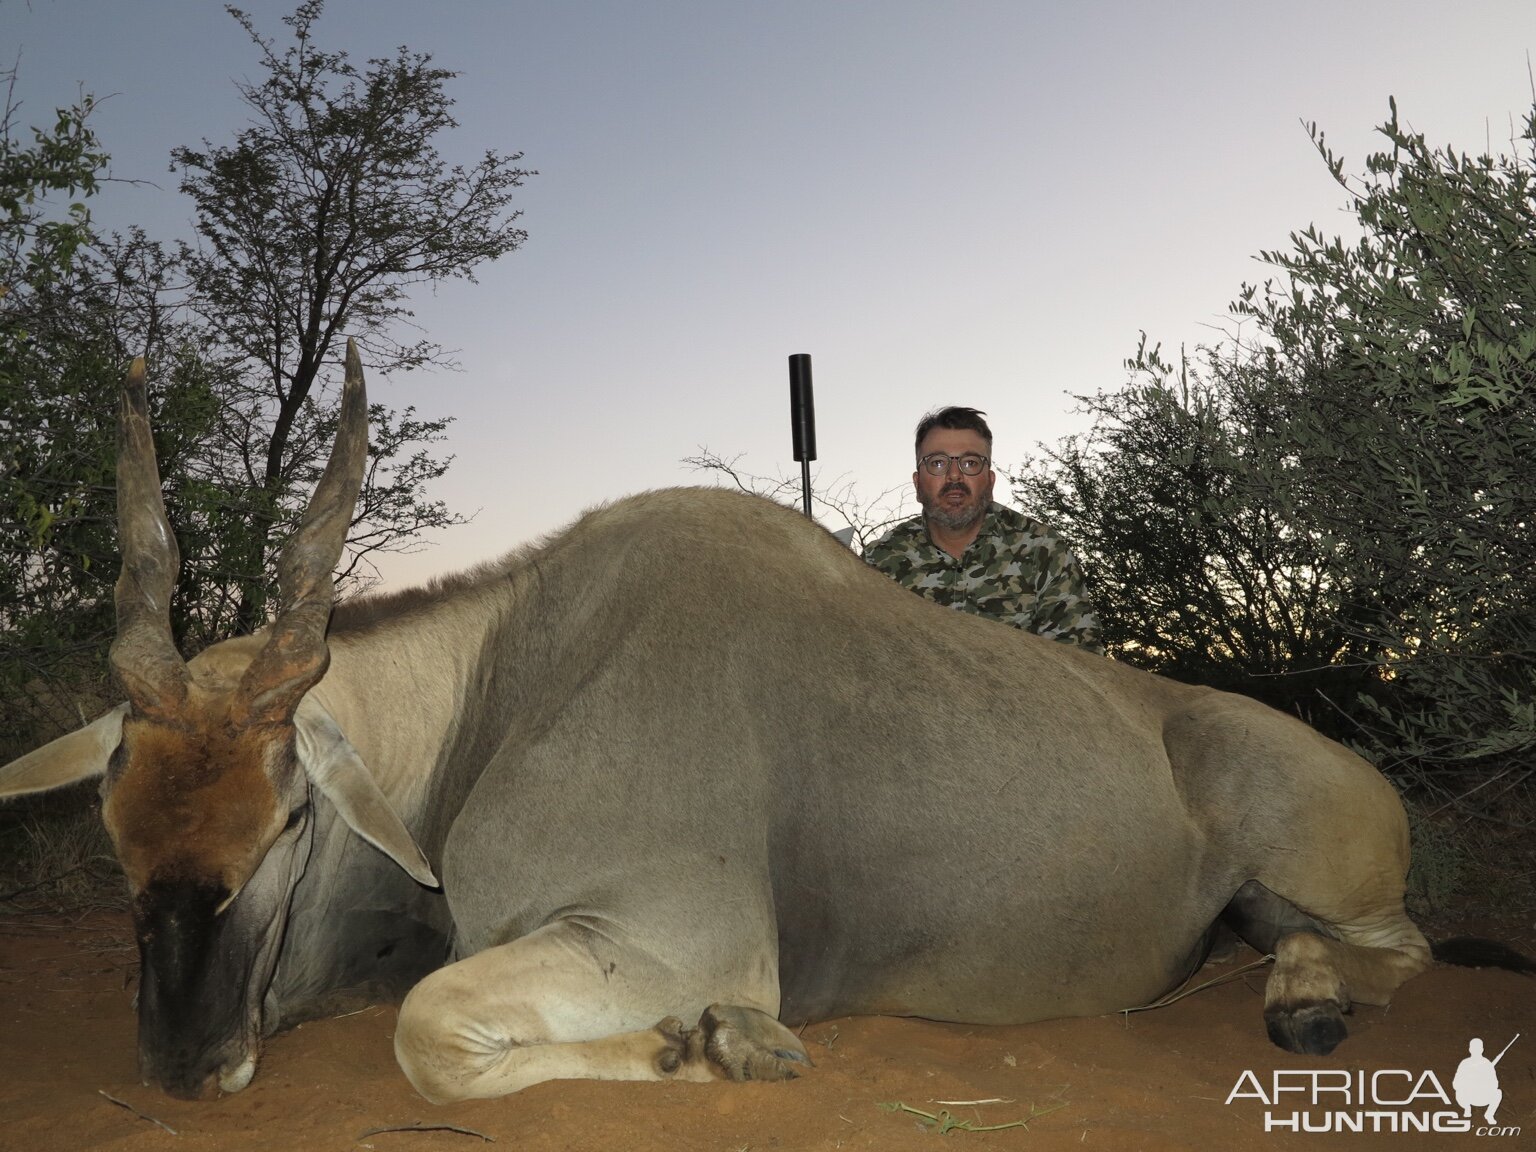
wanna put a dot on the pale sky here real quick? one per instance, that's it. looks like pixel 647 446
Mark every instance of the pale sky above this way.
pixel 970 203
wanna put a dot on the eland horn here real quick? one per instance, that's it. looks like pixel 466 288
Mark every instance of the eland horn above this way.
pixel 144 658
pixel 296 655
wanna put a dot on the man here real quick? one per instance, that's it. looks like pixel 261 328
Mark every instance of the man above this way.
pixel 971 554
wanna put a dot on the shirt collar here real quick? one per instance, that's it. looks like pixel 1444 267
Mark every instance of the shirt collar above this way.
pixel 988 527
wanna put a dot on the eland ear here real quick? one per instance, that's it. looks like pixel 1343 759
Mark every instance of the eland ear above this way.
pixel 80 755
pixel 335 768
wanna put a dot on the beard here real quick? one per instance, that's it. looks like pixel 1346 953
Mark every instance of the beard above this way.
pixel 956 517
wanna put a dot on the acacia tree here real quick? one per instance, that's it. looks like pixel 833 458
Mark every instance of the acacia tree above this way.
pixel 1180 501
pixel 1410 361
pixel 316 222
pixel 47 467
pixel 1352 482
pixel 72 305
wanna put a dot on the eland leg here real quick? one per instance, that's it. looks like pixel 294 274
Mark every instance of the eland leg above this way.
pixel 1323 968
pixel 1349 879
pixel 1317 979
pixel 1317 841
pixel 568 1002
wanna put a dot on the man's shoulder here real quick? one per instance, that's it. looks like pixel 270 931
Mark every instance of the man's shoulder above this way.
pixel 1011 524
pixel 902 534
pixel 904 548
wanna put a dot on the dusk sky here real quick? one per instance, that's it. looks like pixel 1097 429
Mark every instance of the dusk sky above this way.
pixel 973 203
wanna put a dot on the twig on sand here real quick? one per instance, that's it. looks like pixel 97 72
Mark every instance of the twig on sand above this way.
pixel 1179 993
pixel 136 1112
pixel 972 1103
pixel 420 1127
pixel 943 1122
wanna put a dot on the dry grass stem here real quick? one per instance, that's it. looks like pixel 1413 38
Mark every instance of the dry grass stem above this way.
pixel 1179 994
pixel 136 1112
pixel 421 1127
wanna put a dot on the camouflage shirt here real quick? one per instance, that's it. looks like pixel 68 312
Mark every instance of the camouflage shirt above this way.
pixel 1016 570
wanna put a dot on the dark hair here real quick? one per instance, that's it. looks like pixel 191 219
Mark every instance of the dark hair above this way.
pixel 952 417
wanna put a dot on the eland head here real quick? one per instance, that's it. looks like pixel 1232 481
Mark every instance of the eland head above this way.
pixel 208 768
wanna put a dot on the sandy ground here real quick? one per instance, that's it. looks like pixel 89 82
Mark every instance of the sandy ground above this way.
pixel 1154 1080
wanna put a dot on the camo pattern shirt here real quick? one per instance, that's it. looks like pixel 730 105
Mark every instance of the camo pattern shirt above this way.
pixel 1016 570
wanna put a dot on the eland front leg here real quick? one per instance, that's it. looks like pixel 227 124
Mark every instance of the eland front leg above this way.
pixel 567 1002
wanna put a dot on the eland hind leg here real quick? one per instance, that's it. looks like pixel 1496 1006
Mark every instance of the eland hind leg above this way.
pixel 1346 870
pixel 1322 969
pixel 567 1002
pixel 1321 840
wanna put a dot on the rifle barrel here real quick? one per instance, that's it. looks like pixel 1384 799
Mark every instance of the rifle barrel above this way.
pixel 1505 1049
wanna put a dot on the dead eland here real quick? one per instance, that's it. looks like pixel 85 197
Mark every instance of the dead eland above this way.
pixel 628 802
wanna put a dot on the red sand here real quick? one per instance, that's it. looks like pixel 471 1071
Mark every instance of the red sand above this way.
pixel 1153 1080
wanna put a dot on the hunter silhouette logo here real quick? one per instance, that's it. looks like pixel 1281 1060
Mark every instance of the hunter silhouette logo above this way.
pixel 1477 1080
pixel 1386 1100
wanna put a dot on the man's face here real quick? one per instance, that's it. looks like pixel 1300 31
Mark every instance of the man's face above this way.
pixel 952 499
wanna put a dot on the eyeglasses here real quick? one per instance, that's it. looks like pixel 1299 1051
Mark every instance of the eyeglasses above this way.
pixel 937 463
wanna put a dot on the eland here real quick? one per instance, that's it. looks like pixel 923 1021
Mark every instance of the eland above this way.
pixel 630 801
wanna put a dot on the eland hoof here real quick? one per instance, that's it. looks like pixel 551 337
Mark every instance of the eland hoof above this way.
pixel 745 1044
pixel 1314 1029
